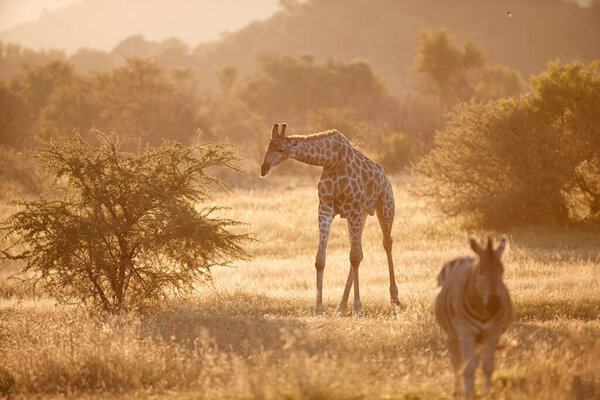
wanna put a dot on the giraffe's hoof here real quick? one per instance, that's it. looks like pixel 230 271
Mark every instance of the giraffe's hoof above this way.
pixel 341 309
pixel 319 310
pixel 356 308
pixel 396 302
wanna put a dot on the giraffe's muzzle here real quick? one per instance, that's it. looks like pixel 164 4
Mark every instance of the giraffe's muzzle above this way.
pixel 264 169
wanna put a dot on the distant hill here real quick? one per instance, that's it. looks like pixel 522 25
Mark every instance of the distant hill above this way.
pixel 13 12
pixel 101 24
pixel 382 33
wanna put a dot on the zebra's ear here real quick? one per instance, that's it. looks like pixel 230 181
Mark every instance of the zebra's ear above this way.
pixel 501 247
pixel 475 245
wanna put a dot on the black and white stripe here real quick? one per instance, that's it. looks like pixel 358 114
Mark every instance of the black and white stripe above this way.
pixel 474 309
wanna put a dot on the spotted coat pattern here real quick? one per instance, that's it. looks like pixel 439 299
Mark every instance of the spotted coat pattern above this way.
pixel 352 186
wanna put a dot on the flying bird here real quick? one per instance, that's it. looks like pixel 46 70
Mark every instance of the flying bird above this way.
pixel 509 14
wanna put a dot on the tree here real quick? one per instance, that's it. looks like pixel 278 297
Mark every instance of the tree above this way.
pixel 445 65
pixel 532 159
pixel 86 60
pixel 119 229
pixel 35 84
pixel 289 88
pixel 567 97
pixel 496 162
pixel 226 77
pixel 456 74
pixel 141 97
pixel 396 150
pixel 14 121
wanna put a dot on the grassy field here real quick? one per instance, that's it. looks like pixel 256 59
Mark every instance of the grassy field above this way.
pixel 251 334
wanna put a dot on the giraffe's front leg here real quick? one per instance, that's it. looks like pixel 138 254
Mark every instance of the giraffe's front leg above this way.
pixel 325 218
pixel 344 302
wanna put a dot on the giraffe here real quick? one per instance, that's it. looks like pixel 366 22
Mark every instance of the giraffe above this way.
pixel 352 186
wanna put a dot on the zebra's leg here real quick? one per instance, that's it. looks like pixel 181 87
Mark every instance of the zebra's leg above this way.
pixel 355 229
pixel 470 360
pixel 456 361
pixel 385 214
pixel 325 218
pixel 487 360
pixel 344 302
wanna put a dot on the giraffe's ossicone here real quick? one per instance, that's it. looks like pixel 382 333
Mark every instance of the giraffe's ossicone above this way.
pixel 352 186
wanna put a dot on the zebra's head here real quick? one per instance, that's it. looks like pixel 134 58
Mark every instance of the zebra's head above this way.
pixel 489 271
pixel 278 150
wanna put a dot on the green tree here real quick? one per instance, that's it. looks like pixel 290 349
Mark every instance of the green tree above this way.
pixel 395 151
pixel 342 119
pixel 289 88
pixel 456 74
pixel 497 82
pixel 14 118
pixel 532 159
pixel 482 165
pixel 567 98
pixel 227 77
pixel 123 229
pixel 35 84
pixel 18 174
pixel 140 98
pixel 86 60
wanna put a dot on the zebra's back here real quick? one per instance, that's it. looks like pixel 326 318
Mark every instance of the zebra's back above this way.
pixel 456 266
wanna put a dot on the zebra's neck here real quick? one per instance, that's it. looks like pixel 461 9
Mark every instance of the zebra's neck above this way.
pixel 472 294
pixel 476 299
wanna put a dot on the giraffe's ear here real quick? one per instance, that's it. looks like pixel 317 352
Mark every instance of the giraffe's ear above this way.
pixel 275 132
pixel 283 128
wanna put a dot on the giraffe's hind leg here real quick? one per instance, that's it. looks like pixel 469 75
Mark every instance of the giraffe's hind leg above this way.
pixel 385 210
pixel 355 228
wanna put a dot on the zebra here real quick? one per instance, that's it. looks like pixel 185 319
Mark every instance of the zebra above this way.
pixel 474 309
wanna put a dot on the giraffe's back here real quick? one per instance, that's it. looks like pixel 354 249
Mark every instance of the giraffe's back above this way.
pixel 355 186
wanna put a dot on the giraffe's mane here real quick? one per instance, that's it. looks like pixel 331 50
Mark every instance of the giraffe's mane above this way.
pixel 331 132
pixel 317 136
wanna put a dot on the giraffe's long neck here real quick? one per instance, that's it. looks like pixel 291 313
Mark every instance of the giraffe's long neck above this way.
pixel 323 151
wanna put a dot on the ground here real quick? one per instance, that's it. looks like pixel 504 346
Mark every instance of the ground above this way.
pixel 250 334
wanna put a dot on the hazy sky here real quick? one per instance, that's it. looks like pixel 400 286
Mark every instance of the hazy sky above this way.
pixel 101 24
pixel 13 12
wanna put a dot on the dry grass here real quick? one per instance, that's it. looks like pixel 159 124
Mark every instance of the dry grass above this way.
pixel 252 334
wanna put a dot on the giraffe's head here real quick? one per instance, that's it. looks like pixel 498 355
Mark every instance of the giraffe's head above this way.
pixel 489 272
pixel 278 150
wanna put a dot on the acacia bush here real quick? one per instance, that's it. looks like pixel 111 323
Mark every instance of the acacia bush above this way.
pixel 531 159
pixel 119 230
